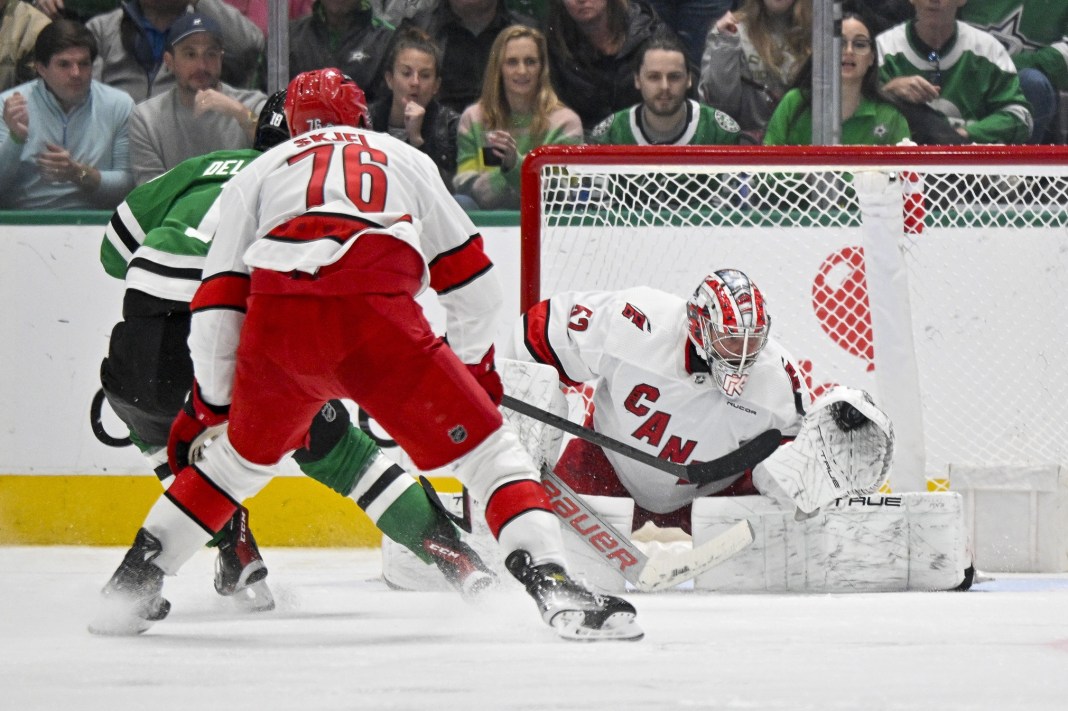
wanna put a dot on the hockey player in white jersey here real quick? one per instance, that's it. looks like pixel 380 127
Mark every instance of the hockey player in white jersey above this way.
pixel 690 381
pixel 309 294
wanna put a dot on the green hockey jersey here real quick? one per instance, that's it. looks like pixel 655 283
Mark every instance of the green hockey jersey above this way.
pixel 980 89
pixel 705 126
pixel 157 238
pixel 1035 32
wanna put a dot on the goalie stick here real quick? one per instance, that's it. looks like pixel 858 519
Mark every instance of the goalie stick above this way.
pixel 745 457
pixel 660 572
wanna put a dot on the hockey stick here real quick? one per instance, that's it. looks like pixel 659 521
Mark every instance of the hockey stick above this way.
pixel 745 457
pixel 660 572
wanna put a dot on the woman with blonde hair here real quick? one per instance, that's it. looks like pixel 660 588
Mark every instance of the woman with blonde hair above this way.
pixel 752 57
pixel 517 112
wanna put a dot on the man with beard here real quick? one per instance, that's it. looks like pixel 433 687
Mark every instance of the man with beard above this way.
pixel 665 115
pixel 132 38
pixel 200 114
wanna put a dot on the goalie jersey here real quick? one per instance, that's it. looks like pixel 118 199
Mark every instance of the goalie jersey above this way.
pixel 651 389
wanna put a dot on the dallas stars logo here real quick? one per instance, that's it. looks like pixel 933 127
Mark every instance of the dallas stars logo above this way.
pixel 1008 32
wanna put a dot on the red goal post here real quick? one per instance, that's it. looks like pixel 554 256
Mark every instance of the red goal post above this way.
pixel 933 277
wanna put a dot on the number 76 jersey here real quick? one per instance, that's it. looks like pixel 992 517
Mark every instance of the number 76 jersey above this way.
pixel 351 182
pixel 370 181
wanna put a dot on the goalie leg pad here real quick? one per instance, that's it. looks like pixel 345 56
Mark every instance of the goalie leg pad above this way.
pixel 583 563
pixel 913 541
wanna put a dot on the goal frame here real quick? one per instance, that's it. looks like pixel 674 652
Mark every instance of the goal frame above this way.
pixel 895 157
pixel 904 164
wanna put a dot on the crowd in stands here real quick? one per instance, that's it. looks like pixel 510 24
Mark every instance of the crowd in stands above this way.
pixel 101 95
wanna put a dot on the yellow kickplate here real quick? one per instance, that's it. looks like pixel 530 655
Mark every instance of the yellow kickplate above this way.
pixel 107 511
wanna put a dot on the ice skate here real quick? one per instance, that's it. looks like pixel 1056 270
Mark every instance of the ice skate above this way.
pixel 239 570
pixel 460 564
pixel 132 601
pixel 569 608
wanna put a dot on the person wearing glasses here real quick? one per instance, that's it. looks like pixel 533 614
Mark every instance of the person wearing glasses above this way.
pixel 867 117
pixel 958 70
pixel 199 114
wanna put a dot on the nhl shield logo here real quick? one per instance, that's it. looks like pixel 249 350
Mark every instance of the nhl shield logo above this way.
pixel 458 434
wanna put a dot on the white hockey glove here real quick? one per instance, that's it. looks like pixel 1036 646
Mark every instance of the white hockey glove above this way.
pixel 844 448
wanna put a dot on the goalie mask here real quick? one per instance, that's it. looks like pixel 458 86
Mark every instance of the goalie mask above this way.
pixel 729 325
pixel 324 97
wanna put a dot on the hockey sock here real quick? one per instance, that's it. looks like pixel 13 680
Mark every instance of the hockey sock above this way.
pixel 340 465
pixel 342 457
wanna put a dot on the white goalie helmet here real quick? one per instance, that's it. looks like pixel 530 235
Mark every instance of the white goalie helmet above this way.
pixel 729 325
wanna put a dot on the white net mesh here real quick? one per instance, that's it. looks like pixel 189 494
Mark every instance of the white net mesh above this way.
pixel 981 235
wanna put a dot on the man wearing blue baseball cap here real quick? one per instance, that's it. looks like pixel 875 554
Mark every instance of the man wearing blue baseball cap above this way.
pixel 132 39
pixel 200 114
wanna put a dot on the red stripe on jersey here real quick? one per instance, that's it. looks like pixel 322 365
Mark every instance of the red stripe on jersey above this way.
pixel 512 500
pixel 313 226
pixel 222 291
pixel 201 499
pixel 457 267
pixel 795 383
pixel 536 338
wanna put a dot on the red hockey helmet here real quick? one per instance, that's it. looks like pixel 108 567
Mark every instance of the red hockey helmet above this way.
pixel 324 97
pixel 729 324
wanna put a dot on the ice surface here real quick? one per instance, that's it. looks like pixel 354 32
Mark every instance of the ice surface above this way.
pixel 341 639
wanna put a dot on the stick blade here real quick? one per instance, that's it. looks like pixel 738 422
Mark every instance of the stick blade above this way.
pixel 666 571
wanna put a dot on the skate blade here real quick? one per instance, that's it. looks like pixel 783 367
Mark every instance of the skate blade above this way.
pixel 116 617
pixel 254 598
pixel 618 627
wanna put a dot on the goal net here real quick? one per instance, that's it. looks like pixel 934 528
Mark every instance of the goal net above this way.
pixel 935 278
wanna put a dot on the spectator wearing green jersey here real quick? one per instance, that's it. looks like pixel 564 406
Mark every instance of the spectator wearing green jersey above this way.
pixel 665 116
pixel 958 70
pixel 867 117
pixel 518 111
pixel 1035 33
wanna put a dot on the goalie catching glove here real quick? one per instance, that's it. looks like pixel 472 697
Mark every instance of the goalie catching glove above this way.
pixel 844 448
pixel 193 420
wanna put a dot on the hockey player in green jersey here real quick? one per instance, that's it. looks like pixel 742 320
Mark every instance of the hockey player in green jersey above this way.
pixel 1035 33
pixel 156 241
pixel 665 115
